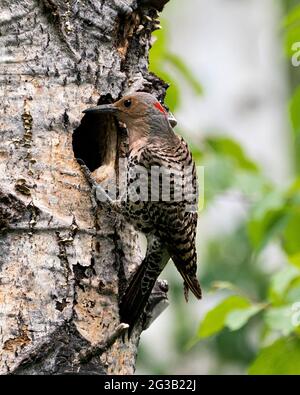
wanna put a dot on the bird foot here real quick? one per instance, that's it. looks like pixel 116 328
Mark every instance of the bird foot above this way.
pixel 85 355
pixel 99 194
pixel 157 303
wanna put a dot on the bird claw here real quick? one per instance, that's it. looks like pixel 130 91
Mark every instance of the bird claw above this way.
pixel 157 303
pixel 90 179
pixel 101 195
pixel 87 173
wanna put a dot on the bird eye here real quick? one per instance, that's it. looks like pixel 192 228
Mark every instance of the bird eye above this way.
pixel 127 103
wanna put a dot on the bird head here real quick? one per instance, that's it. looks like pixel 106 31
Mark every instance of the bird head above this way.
pixel 135 109
pixel 143 116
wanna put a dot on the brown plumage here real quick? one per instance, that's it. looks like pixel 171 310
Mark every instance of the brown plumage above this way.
pixel 167 215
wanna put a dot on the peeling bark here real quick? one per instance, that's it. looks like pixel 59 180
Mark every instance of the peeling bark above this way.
pixel 64 262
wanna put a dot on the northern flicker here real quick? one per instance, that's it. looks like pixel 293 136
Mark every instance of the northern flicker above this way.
pixel 169 224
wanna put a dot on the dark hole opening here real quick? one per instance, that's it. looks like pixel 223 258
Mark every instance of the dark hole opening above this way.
pixel 90 138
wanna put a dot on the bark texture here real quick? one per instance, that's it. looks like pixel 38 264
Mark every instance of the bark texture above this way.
pixel 63 261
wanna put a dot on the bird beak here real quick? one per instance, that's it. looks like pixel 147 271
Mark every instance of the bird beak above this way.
pixel 103 109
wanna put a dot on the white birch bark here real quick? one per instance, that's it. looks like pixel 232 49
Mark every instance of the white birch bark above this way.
pixel 63 263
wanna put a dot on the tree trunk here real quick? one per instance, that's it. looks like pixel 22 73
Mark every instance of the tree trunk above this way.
pixel 63 261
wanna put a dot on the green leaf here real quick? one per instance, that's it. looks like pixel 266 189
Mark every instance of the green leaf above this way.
pixel 238 318
pixel 292 17
pixel 291 234
pixel 282 357
pixel 158 48
pixel 293 293
pixel 252 184
pixel 280 319
pixel 196 151
pixel 215 319
pixel 172 99
pixel 281 281
pixel 157 65
pixel 291 37
pixel 272 202
pixel 228 147
pixel 225 285
pixel 180 66
pixel 267 219
pixel 294 106
pixel 219 173
pixel 261 232
pixel 294 259
pixel 292 33
pixel 160 60
pixel 293 192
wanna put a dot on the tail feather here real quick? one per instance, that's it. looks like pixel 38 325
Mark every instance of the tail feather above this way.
pixel 192 283
pixel 136 297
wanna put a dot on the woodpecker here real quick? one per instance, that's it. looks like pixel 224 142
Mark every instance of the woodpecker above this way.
pixel 169 224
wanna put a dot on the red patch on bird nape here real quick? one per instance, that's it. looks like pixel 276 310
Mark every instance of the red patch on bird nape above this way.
pixel 159 107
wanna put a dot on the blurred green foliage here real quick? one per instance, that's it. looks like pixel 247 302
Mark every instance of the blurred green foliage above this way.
pixel 294 106
pixel 281 357
pixel 167 65
pixel 292 30
pixel 253 303
pixel 217 318
pixel 273 217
